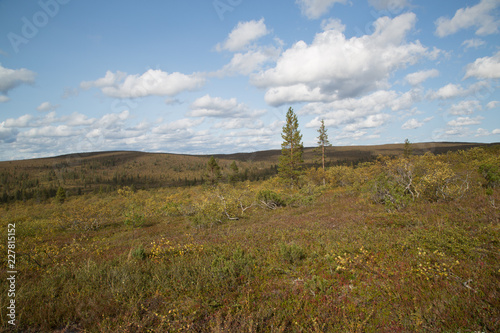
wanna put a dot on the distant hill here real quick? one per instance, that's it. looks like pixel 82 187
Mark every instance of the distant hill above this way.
pixel 105 171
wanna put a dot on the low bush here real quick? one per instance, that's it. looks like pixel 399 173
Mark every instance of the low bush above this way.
pixel 270 199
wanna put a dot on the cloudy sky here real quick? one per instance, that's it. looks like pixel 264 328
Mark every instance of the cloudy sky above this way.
pixel 217 76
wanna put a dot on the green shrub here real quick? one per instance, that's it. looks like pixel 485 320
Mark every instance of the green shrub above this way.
pixel 292 253
pixel 139 253
pixel 491 173
pixel 270 199
pixel 385 190
pixel 234 269
pixel 134 217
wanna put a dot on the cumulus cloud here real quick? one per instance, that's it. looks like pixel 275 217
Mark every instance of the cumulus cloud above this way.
pixel 371 121
pixel 51 131
pixel 243 34
pixel 419 77
pixel 334 67
pixel 176 125
pixel 11 78
pixel 465 108
pixel 22 121
pixel 390 5
pixel 478 16
pixel 473 43
pixel 412 124
pixel 484 68
pixel 332 24
pixel 352 115
pixel 151 83
pixel 249 62
pixel 314 9
pixel 452 90
pixel 8 135
pixel 208 106
pixel 465 121
pixel 492 104
pixel 46 107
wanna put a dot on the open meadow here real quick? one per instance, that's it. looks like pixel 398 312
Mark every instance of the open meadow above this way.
pixel 409 243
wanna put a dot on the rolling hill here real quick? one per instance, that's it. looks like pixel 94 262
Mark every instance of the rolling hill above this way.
pixel 105 171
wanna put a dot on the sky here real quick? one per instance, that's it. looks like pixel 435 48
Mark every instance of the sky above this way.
pixel 218 76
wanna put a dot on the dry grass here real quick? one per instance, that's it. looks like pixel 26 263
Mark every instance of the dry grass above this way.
pixel 338 263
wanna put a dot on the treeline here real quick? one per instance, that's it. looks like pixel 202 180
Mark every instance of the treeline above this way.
pixel 104 175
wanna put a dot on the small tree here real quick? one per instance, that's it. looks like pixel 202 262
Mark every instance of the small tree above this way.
pixel 291 150
pixel 213 171
pixel 60 195
pixel 322 143
pixel 408 150
pixel 235 173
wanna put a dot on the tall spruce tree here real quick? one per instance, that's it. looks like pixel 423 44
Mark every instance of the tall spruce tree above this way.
pixel 322 142
pixel 291 150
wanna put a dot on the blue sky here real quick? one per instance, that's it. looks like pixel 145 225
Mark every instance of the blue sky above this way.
pixel 218 76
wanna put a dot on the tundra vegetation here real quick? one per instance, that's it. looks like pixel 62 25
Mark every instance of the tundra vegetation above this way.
pixel 407 243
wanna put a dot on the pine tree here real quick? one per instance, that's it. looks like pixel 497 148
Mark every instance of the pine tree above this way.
pixel 408 150
pixel 213 171
pixel 291 150
pixel 235 175
pixel 60 195
pixel 323 142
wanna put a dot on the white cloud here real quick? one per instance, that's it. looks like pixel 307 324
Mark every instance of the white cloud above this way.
pixel 8 135
pixel 249 62
pixel 478 16
pixel 406 100
pixel 243 34
pixel 334 67
pixel 482 132
pixel 465 121
pixel 4 99
pixel 178 125
pixel 412 124
pixel 390 5
pixel 371 121
pixel 351 135
pixel 23 121
pixel 449 91
pixel 11 78
pixel 77 119
pixel 314 9
pixel 419 77
pixel 332 24
pixel 473 43
pixel 465 108
pixel 151 83
pixel 50 131
pixel 352 115
pixel 238 123
pixel 484 68
pixel 455 90
pixel 496 131
pixel 110 79
pixel 208 106
pixel 492 104
pixel 111 120
pixel 47 106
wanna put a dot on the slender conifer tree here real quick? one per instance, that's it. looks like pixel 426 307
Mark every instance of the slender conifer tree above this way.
pixel 291 150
